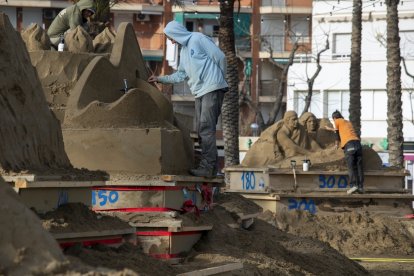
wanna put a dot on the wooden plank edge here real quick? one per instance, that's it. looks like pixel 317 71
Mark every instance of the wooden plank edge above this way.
pixel 190 178
pixel 90 234
pixel 214 270
pixel 24 184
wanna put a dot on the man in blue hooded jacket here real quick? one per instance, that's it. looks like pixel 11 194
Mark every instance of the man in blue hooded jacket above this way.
pixel 203 65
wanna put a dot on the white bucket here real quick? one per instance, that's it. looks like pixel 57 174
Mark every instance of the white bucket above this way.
pixel 305 166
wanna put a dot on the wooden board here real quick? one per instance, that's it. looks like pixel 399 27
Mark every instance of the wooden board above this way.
pixel 193 179
pixel 160 198
pixel 322 204
pixel 25 184
pixel 259 181
pixel 93 234
pixel 214 270
pixel 167 180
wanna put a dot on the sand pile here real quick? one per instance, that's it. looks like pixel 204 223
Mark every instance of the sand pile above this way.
pixel 25 247
pixel 31 137
pixel 76 217
pixel 263 250
pixel 358 234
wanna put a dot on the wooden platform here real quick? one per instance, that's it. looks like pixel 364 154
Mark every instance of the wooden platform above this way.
pixel 258 180
pixel 320 191
pixel 157 193
pixel 323 203
pixel 46 193
pixel 162 235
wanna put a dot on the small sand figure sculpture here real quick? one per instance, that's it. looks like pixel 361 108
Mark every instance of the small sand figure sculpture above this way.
pixel 292 138
pixel 309 121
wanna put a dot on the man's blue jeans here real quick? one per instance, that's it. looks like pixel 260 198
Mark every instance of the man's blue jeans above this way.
pixel 207 112
pixel 353 156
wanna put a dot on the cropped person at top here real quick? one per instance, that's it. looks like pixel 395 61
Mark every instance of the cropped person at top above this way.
pixel 69 18
pixel 203 65
pixel 351 145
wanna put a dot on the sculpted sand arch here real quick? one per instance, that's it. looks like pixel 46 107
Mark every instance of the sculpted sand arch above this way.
pixel 100 85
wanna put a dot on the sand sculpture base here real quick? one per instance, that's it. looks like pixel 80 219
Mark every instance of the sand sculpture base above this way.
pixel 319 192
pixel 134 150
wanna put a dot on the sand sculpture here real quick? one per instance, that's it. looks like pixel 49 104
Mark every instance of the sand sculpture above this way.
pixel 123 129
pixel 36 38
pixel 104 41
pixel 31 137
pixel 286 140
pixel 78 41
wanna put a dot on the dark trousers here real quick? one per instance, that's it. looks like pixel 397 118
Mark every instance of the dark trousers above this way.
pixel 207 112
pixel 353 156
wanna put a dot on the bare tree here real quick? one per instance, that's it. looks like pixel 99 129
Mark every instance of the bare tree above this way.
pixel 311 81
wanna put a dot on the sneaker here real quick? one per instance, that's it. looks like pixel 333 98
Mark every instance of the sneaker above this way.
pixel 360 190
pixel 203 172
pixel 352 190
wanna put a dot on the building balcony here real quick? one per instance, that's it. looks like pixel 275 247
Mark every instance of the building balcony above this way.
pixel 61 4
pixel 286 7
pixel 281 45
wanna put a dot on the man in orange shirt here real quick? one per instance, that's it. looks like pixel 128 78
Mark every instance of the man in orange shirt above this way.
pixel 351 145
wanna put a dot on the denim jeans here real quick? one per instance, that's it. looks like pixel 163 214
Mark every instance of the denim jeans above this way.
pixel 207 112
pixel 353 156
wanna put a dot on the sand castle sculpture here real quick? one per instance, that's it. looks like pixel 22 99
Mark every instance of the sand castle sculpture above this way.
pixel 112 119
pixel 301 139
pixel 30 134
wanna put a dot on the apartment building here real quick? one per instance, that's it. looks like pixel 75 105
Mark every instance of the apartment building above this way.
pixel 264 31
pixel 332 19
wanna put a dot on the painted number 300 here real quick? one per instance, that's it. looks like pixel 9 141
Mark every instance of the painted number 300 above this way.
pixel 104 197
pixel 331 181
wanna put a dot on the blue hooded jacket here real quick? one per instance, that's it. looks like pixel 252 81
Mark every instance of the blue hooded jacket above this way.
pixel 202 63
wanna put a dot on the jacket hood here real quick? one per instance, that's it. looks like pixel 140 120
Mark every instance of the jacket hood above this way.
pixel 85 4
pixel 178 32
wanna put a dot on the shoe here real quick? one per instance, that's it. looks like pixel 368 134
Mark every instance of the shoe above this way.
pixel 352 190
pixel 203 172
pixel 360 190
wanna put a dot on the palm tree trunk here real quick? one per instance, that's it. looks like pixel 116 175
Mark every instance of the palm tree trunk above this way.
pixel 394 105
pixel 355 70
pixel 230 109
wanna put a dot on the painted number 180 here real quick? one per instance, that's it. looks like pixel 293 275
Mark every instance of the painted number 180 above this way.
pixel 248 180
pixel 332 181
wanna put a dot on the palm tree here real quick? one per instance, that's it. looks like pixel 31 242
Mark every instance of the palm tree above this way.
pixel 230 109
pixel 394 105
pixel 355 69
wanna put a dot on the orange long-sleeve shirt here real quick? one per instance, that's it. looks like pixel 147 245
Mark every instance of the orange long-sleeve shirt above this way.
pixel 346 131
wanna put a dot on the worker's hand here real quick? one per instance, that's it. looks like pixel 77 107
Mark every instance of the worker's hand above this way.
pixel 153 79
